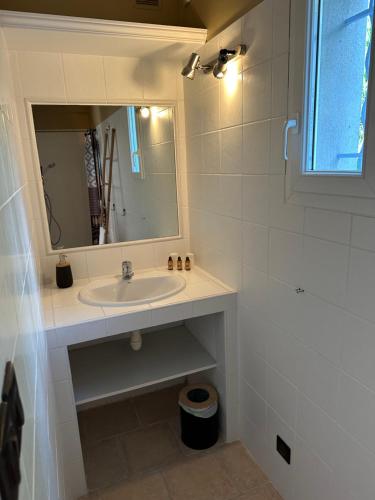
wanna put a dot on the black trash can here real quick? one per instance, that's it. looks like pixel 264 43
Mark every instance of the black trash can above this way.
pixel 199 416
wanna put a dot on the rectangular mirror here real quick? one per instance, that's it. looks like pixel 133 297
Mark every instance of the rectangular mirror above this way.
pixel 109 173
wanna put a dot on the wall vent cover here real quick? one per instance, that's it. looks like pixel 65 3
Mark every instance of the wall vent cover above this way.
pixel 148 3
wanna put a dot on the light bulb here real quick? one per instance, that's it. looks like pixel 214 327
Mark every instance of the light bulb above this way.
pixel 145 112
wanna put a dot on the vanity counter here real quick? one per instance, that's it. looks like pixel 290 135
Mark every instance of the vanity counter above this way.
pixel 84 371
pixel 68 321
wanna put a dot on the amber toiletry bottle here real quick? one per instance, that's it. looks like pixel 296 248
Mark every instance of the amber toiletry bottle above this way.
pixel 170 264
pixel 179 264
pixel 64 277
pixel 187 264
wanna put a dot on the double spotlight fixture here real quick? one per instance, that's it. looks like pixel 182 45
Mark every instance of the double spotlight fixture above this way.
pixel 217 67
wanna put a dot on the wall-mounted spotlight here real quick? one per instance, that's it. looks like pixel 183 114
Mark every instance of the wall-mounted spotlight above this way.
pixel 194 65
pixel 217 67
pixel 226 55
pixel 145 112
pixel 220 67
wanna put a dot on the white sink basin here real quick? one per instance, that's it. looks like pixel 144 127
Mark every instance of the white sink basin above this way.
pixel 139 290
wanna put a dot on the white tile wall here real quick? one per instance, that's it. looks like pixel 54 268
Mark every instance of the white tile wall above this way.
pixel 314 479
pixel 120 75
pixel 255 245
pixel 231 97
pixel 253 405
pixel 49 67
pixel 159 80
pixel 327 225
pixel 355 411
pixel 257 93
pixel 22 339
pixel 281 396
pixel 256 147
pixel 325 267
pixel 286 254
pixel 318 379
pixel 103 261
pixel 363 234
pixel 255 198
pixel 361 284
pixel 84 76
pixel 258 40
pixel 306 361
pixel 231 150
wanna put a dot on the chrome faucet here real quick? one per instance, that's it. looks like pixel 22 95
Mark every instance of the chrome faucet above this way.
pixel 127 270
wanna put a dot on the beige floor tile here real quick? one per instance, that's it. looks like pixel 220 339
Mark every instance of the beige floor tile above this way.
pixel 266 492
pixel 132 450
pixel 148 488
pixel 200 478
pixel 157 406
pixel 107 421
pixel 150 448
pixel 239 466
pixel 104 464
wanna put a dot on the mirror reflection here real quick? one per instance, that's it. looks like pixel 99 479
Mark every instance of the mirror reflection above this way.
pixel 109 173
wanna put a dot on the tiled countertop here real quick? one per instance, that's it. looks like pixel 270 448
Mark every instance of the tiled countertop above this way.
pixel 68 321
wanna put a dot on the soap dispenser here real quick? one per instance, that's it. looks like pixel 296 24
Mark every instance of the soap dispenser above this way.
pixel 64 277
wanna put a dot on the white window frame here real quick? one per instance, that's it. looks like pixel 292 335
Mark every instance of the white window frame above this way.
pixel 347 192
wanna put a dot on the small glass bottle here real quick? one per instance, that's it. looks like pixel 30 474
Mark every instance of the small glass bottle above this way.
pixel 187 264
pixel 170 264
pixel 179 264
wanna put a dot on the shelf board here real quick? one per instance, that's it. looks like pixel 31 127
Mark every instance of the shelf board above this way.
pixel 112 368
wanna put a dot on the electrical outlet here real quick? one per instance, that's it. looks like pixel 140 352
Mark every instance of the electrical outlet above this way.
pixel 283 449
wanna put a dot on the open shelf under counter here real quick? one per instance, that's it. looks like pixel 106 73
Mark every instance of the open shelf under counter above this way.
pixel 112 368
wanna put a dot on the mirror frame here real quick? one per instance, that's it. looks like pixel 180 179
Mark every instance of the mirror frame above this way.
pixel 38 179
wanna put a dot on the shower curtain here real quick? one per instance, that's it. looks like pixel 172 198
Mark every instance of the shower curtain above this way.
pixel 93 171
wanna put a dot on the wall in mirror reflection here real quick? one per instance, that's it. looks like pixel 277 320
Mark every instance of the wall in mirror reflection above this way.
pixel 109 173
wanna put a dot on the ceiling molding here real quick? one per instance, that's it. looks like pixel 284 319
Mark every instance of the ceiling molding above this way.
pixel 27 20
pixel 26 31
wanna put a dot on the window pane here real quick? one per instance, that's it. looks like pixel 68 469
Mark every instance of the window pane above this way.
pixel 339 99
pixel 133 140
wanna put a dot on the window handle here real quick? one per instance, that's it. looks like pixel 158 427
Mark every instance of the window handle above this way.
pixel 288 125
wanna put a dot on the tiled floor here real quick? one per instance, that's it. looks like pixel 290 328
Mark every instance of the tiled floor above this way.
pixel 132 451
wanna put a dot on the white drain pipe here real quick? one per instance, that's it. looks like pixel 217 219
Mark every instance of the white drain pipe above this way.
pixel 136 340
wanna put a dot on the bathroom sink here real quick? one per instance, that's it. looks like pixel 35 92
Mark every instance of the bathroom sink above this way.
pixel 138 290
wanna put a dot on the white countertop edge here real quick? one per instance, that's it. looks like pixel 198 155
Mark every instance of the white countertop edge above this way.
pixel 50 310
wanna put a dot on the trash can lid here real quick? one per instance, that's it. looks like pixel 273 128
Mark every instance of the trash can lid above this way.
pixel 198 397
